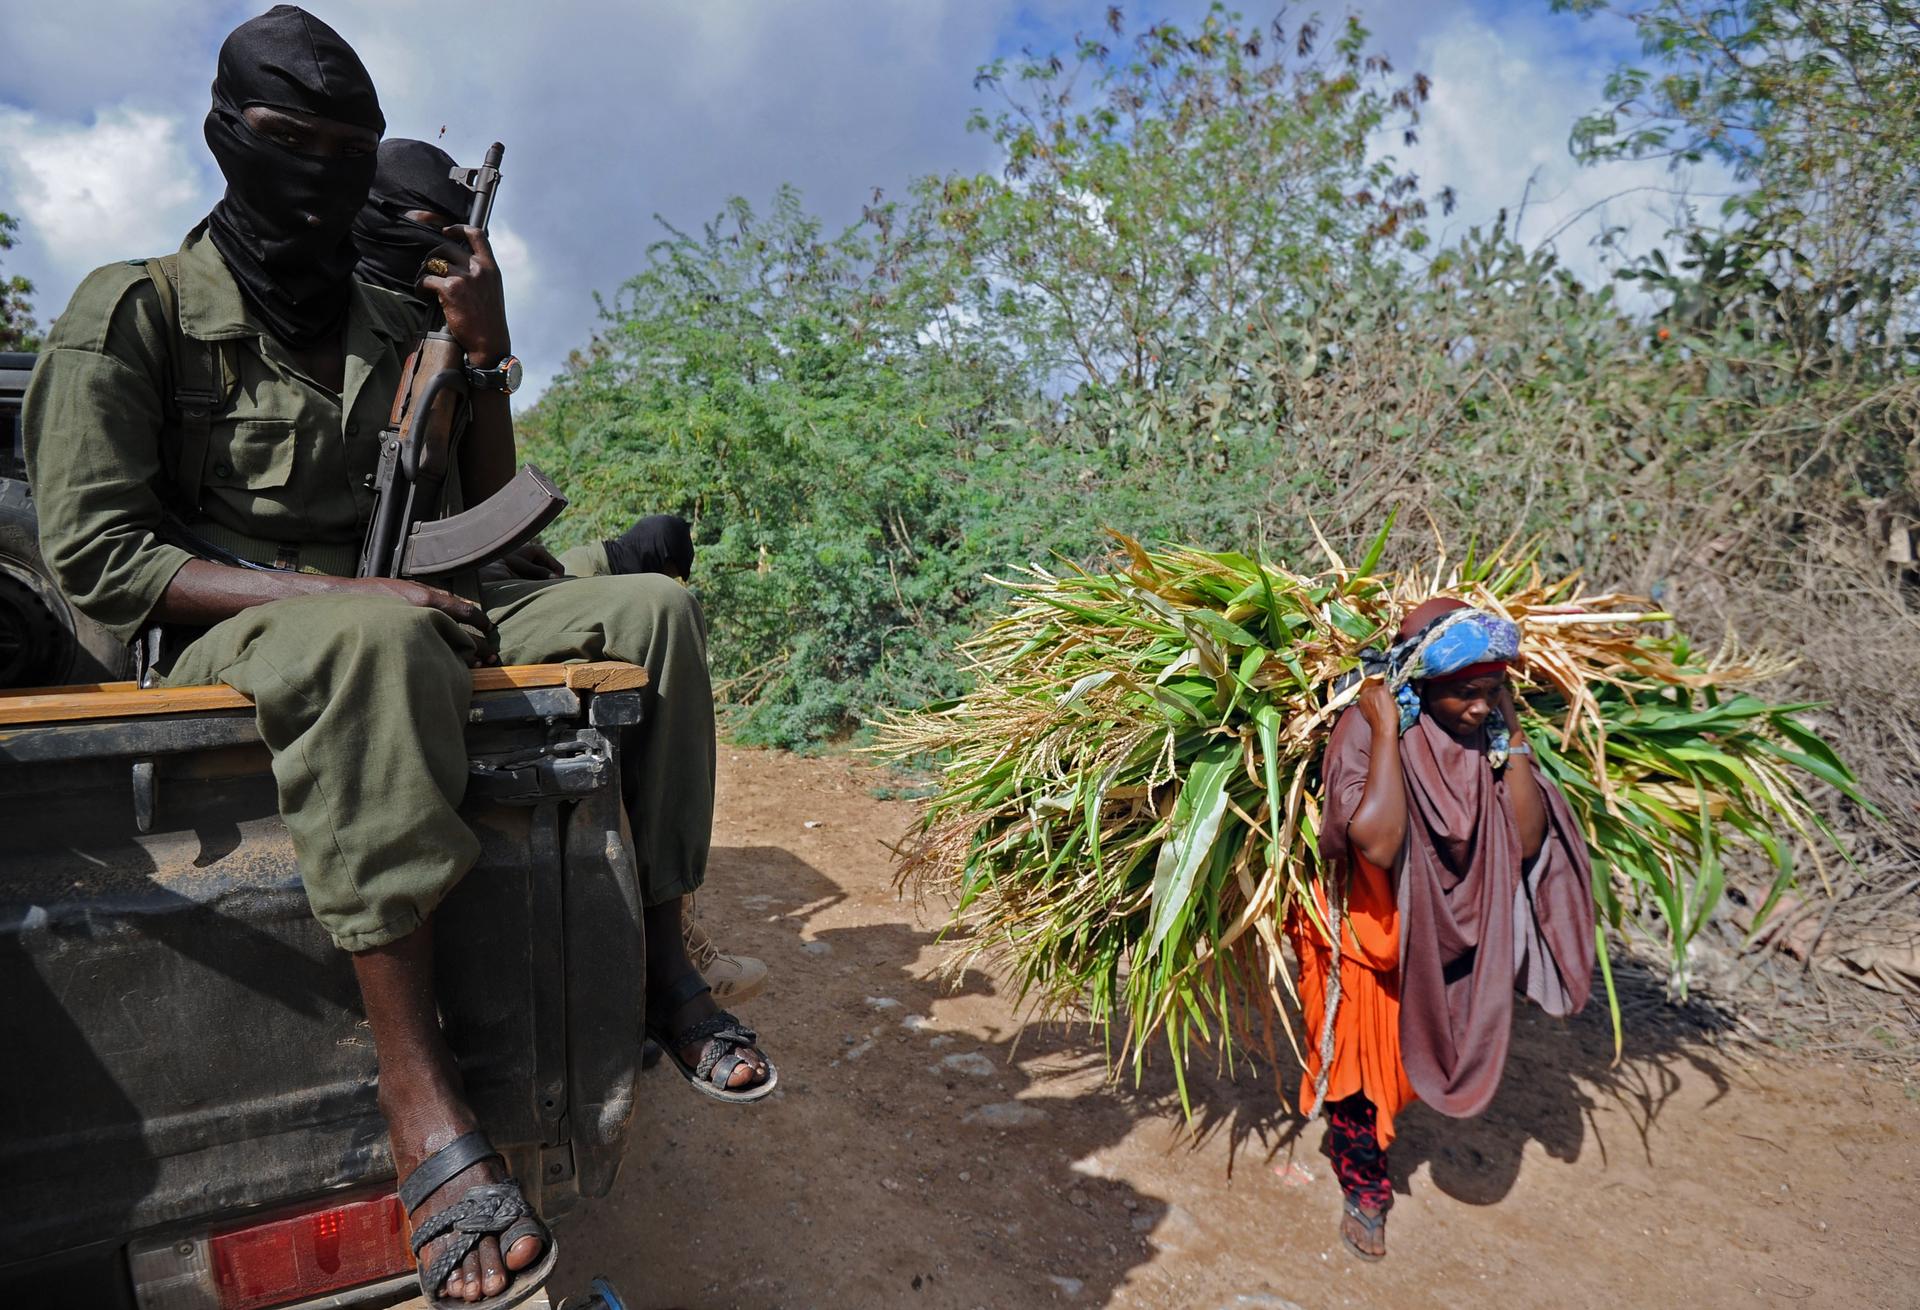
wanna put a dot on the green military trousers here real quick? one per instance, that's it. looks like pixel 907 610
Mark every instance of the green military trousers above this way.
pixel 362 701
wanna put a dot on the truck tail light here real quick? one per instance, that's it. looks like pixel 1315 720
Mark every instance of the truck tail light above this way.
pixel 274 1262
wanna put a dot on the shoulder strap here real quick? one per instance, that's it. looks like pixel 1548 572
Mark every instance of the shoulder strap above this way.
pixel 202 379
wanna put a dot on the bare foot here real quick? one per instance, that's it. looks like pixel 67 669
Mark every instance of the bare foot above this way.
pixel 420 1121
pixel 752 1069
pixel 424 1108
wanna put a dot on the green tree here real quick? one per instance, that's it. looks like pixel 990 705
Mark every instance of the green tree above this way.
pixel 1814 105
pixel 1158 184
pixel 18 331
pixel 775 384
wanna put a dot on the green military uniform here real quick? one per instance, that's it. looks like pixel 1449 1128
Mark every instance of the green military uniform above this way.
pixel 588 561
pixel 361 698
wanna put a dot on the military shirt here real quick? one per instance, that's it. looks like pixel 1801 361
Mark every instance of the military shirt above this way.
pixel 287 460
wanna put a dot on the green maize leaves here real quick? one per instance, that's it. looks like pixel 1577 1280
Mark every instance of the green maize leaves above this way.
pixel 1196 821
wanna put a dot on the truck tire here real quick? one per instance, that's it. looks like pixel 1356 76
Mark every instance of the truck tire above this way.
pixel 44 641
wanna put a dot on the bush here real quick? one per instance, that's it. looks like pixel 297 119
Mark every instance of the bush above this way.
pixel 863 426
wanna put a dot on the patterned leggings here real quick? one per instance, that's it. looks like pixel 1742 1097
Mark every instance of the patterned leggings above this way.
pixel 1359 1162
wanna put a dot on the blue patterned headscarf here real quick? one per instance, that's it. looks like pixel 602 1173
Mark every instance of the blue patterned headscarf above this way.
pixel 1458 639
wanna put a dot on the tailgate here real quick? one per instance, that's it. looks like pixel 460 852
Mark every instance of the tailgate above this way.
pixel 188 1043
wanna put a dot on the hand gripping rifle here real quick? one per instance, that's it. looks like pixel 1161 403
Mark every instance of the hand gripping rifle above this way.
pixel 408 537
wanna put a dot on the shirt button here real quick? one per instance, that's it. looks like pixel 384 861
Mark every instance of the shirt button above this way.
pixel 222 471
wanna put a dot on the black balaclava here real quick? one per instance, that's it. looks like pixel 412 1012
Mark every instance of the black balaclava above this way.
pixel 658 543
pixel 412 175
pixel 296 274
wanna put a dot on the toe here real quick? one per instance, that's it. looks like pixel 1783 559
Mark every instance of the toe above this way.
pixel 524 1252
pixel 493 1274
pixel 470 1272
pixel 750 1072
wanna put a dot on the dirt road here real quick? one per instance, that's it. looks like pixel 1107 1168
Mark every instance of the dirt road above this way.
pixel 924 1151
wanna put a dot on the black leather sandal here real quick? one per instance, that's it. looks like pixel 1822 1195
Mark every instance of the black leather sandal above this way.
pixel 721 1038
pixel 498 1209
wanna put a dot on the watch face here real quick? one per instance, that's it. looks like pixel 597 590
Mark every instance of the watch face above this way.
pixel 512 369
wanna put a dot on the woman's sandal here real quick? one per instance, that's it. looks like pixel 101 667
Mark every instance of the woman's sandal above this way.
pixel 721 1038
pixel 1373 1223
pixel 498 1209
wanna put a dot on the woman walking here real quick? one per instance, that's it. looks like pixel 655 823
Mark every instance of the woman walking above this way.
pixel 1458 878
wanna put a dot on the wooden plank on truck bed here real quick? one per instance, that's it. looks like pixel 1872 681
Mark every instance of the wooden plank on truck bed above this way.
pixel 119 700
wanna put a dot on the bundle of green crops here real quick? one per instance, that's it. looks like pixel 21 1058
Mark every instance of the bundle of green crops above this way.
pixel 1128 806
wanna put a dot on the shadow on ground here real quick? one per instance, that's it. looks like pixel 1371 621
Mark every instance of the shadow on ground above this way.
pixel 1559 1074
pixel 898 1150
pixel 879 1177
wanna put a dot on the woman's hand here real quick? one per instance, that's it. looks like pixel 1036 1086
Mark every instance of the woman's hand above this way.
pixel 472 297
pixel 1504 702
pixel 1379 708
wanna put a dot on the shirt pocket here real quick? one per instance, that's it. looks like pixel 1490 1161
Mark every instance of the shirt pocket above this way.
pixel 256 454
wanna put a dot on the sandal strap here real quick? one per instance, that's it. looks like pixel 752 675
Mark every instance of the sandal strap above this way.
pixel 432 1173
pixel 527 1227
pixel 722 1038
pixel 721 1027
pixel 1373 1223
pixel 718 1064
pixel 486 1208
pixel 434 1277
pixel 681 990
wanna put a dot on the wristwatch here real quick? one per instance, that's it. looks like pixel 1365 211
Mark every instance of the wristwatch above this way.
pixel 504 376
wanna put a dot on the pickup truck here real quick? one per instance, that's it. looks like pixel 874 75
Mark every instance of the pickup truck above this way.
pixel 190 1121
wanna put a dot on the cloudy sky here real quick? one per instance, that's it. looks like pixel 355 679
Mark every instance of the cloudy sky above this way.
pixel 614 111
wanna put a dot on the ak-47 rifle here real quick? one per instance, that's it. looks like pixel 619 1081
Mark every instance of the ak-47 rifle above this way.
pixel 408 537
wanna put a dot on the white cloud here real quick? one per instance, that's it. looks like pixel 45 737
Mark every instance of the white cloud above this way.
pixel 124 184
pixel 518 267
pixel 611 113
pixel 1504 103
pixel 614 112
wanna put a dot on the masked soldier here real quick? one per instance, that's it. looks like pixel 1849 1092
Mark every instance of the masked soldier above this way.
pixel 400 236
pixel 198 416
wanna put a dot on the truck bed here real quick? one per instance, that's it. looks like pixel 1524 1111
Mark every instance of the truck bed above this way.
pixel 188 1046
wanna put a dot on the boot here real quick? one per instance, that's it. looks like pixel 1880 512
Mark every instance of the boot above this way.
pixel 733 978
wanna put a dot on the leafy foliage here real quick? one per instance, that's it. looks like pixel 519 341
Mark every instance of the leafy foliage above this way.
pixel 1188 310
pixel 1813 104
pixel 1158 185
pixel 765 381
pixel 18 331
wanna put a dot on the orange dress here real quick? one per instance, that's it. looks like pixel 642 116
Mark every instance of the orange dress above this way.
pixel 1366 1026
